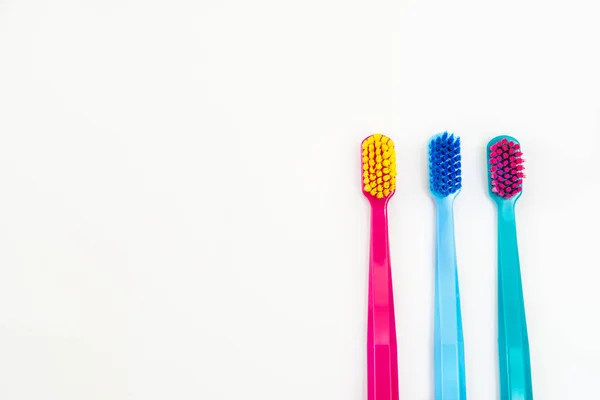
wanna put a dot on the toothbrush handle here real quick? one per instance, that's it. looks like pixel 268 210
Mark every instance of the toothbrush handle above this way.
pixel 382 358
pixel 449 355
pixel 513 343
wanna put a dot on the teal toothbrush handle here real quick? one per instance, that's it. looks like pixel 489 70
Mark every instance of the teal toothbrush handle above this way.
pixel 513 343
pixel 449 357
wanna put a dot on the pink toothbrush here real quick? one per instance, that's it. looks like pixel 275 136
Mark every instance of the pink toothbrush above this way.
pixel 379 185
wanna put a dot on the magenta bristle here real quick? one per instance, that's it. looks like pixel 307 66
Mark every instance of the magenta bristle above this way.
pixel 506 169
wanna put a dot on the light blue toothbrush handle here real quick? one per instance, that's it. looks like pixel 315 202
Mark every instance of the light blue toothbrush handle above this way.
pixel 449 358
pixel 513 343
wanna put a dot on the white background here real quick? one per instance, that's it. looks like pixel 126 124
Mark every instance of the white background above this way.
pixel 180 206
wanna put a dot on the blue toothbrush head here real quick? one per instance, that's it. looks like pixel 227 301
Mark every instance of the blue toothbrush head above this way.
pixel 444 165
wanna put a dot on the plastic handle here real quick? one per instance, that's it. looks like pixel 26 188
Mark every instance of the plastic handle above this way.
pixel 449 354
pixel 513 344
pixel 382 353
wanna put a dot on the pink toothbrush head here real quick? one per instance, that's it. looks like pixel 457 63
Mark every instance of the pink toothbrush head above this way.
pixel 379 167
pixel 506 170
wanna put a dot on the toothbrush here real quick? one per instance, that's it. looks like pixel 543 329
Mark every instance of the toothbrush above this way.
pixel 379 185
pixel 444 184
pixel 505 186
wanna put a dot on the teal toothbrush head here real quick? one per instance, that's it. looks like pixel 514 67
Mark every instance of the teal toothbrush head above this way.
pixel 506 170
pixel 444 165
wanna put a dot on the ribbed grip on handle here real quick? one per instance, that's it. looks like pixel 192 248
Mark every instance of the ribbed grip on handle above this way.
pixel 449 358
pixel 513 342
pixel 382 358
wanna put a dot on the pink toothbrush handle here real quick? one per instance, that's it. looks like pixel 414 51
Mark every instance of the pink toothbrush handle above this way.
pixel 382 358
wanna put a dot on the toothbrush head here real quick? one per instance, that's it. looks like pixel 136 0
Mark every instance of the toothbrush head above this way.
pixel 379 167
pixel 444 165
pixel 505 163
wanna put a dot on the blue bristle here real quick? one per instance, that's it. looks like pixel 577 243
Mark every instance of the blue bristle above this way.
pixel 445 164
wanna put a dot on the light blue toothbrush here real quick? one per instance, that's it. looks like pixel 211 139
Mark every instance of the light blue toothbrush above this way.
pixel 444 184
pixel 505 184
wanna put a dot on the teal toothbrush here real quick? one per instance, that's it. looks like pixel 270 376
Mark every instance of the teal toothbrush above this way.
pixel 444 184
pixel 505 185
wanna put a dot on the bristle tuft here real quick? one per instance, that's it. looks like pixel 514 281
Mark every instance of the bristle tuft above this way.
pixel 379 166
pixel 506 168
pixel 444 164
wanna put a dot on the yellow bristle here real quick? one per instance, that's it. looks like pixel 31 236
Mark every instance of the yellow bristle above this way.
pixel 379 166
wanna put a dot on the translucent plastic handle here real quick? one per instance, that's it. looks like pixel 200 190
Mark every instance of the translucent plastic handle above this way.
pixel 382 358
pixel 513 343
pixel 449 354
